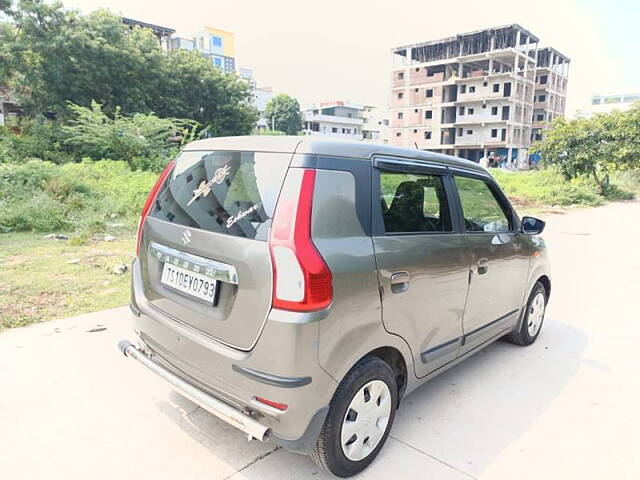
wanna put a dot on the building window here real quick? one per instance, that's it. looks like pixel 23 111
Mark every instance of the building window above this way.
pixel 540 117
pixel 460 132
pixel 503 134
pixel 427 135
pixel 217 61
pixel 418 69
pixel 484 105
pixel 472 89
pixel 429 93
pixel 543 79
pixel 494 110
pixel 398 134
pixel 334 129
pixel 463 89
pixel 415 110
pixel 216 41
pixel 470 111
pixel 542 98
pixel 400 115
pixel 415 130
pixel 484 84
pixel 494 133
pixel 400 75
pixel 348 131
pixel 496 87
pixel 428 114
pixel 416 90
pixel 400 95
pixel 460 110
pixel 469 132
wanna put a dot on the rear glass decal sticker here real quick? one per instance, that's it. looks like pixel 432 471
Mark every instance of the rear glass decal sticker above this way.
pixel 205 187
pixel 235 218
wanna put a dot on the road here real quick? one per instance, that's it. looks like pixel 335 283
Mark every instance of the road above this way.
pixel 72 407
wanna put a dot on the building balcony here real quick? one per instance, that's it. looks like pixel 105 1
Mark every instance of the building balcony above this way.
pixel 355 121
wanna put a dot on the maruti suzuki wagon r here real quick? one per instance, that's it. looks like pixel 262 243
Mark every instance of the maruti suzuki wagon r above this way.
pixel 300 289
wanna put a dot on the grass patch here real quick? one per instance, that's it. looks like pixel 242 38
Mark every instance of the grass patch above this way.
pixel 80 197
pixel 45 279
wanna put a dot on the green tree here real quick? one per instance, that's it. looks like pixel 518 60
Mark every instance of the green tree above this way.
pixel 283 114
pixel 93 133
pixel 51 56
pixel 594 146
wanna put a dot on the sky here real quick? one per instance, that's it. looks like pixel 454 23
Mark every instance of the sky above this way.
pixel 341 49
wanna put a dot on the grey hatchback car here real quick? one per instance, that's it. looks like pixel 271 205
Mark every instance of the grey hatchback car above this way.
pixel 299 289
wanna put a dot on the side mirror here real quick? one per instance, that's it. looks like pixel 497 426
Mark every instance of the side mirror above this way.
pixel 532 226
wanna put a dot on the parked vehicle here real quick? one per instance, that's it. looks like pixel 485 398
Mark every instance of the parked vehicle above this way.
pixel 300 289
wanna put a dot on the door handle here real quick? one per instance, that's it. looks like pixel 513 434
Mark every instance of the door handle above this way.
pixel 483 266
pixel 399 282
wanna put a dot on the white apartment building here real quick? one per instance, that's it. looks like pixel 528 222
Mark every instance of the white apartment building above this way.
pixel 334 119
pixel 469 95
pixel 608 103
pixel 347 120
pixel 375 127
pixel 262 96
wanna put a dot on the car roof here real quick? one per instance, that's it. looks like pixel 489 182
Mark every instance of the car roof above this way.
pixel 315 145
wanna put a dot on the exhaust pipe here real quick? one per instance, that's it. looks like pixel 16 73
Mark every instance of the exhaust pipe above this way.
pixel 251 427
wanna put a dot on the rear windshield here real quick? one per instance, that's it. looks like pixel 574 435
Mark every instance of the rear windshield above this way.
pixel 233 193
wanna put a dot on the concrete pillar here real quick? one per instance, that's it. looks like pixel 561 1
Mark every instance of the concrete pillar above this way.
pixel 509 152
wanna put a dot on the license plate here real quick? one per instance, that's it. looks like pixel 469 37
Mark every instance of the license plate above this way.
pixel 191 283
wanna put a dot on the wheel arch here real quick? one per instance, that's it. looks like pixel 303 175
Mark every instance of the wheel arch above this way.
pixel 394 358
pixel 546 283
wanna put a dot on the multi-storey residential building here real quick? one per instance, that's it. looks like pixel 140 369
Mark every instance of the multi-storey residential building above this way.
pixel 347 120
pixel 335 119
pixel 550 97
pixel 469 95
pixel 215 44
pixel 262 96
pixel 608 103
pixel 375 125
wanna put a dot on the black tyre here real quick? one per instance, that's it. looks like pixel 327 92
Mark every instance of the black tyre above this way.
pixel 360 417
pixel 533 317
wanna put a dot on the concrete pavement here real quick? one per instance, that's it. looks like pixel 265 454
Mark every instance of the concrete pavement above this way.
pixel 71 406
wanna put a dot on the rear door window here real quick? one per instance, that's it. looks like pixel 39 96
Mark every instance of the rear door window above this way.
pixel 413 203
pixel 232 193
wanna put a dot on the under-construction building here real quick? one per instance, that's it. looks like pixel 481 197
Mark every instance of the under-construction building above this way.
pixel 470 95
pixel 550 96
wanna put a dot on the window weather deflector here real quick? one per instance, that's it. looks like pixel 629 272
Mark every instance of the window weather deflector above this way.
pixel 408 166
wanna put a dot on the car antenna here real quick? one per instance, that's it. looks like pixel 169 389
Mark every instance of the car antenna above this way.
pixel 416 144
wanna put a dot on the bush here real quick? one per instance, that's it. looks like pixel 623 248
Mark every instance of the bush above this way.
pixel 93 133
pixel 546 187
pixel 81 197
pixel 37 138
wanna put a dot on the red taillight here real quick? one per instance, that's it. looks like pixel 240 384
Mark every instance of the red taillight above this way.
pixel 301 278
pixel 278 406
pixel 149 202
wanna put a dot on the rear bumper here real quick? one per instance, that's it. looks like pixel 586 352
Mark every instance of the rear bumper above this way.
pixel 220 409
pixel 282 367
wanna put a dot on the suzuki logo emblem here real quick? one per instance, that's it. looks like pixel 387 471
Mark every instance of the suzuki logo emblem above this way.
pixel 186 237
